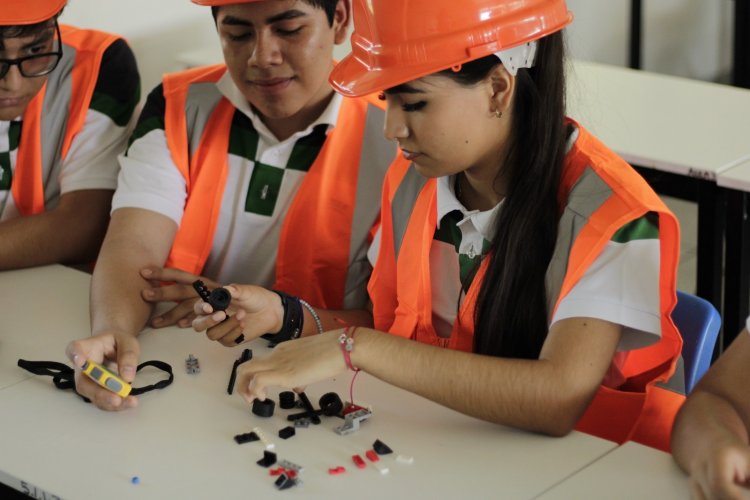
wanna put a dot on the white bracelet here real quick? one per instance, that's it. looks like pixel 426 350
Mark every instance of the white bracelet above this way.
pixel 314 315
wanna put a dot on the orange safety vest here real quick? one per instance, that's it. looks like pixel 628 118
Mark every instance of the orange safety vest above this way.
pixel 56 114
pixel 400 286
pixel 332 212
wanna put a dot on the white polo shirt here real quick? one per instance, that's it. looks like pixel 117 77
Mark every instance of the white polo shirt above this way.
pixel 245 244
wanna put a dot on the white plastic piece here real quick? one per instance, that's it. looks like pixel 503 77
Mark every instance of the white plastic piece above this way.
pixel 263 439
pixel 381 469
pixel 402 459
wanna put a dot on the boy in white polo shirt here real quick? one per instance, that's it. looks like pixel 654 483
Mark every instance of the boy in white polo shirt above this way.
pixel 250 171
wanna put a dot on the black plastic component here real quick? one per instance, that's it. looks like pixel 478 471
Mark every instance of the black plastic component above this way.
pixel 284 482
pixel 246 438
pixel 287 432
pixel 269 458
pixel 219 298
pixel 287 400
pixel 307 405
pixel 381 448
pixel 331 404
pixel 264 408
pixel 246 355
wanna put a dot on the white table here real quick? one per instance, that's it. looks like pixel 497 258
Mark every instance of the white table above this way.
pixel 179 440
pixel 629 471
pixel 38 320
pixel 671 124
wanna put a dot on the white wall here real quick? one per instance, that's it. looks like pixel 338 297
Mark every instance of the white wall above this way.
pixel 166 35
pixel 158 30
pixel 689 38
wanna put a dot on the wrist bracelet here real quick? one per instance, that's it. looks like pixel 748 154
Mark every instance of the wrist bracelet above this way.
pixel 291 325
pixel 314 315
pixel 346 341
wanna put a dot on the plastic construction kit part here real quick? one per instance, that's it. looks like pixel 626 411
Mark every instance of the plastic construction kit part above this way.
pixel 335 471
pixel 246 438
pixel 218 298
pixel 285 482
pixel 135 480
pixel 381 448
pixel 331 404
pixel 302 422
pixel 291 466
pixel 370 454
pixel 192 365
pixel 307 405
pixel 402 459
pixel 287 400
pixel 263 439
pixel 359 461
pixel 287 432
pixel 263 408
pixel 246 355
pixel 269 458
pixel 275 472
pixel 352 422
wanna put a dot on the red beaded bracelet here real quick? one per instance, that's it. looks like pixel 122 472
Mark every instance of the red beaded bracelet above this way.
pixel 346 341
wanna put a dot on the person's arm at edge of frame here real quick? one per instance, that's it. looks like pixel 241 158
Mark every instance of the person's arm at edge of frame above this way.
pixel 546 395
pixel 710 436
pixel 136 238
pixel 37 240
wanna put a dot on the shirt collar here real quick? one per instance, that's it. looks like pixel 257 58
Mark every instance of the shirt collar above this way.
pixel 447 202
pixel 328 117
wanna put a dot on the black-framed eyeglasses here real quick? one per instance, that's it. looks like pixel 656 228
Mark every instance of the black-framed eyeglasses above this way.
pixel 34 65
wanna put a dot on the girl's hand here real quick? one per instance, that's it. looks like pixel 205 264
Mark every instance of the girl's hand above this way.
pixel 292 365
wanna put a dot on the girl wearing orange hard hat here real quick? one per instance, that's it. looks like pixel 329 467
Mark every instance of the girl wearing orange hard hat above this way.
pixel 534 267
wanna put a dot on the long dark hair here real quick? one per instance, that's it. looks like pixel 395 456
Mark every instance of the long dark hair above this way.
pixel 511 314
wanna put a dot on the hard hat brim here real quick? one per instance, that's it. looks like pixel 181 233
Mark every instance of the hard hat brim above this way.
pixel 25 12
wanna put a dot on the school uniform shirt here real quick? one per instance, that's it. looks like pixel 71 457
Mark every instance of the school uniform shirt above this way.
pixel 621 286
pixel 247 236
pixel 91 162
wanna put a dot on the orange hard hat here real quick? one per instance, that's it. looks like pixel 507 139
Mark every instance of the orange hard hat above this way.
pixel 23 12
pixel 396 41
pixel 218 3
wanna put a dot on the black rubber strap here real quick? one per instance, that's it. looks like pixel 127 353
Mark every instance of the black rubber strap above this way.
pixel 293 322
pixel 63 376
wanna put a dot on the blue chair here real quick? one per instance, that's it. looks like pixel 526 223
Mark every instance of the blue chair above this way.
pixel 699 324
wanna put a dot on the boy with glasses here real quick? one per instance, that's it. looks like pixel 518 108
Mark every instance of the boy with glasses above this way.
pixel 67 98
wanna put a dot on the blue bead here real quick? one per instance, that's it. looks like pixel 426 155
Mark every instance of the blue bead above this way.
pixel 136 480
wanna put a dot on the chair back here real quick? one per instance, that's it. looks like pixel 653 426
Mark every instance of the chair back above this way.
pixel 698 322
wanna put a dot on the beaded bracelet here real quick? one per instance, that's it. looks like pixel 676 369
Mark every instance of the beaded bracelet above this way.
pixel 346 341
pixel 314 315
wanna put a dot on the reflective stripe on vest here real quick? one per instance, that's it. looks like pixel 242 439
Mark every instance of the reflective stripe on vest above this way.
pixel 601 197
pixel 57 113
pixel 330 217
